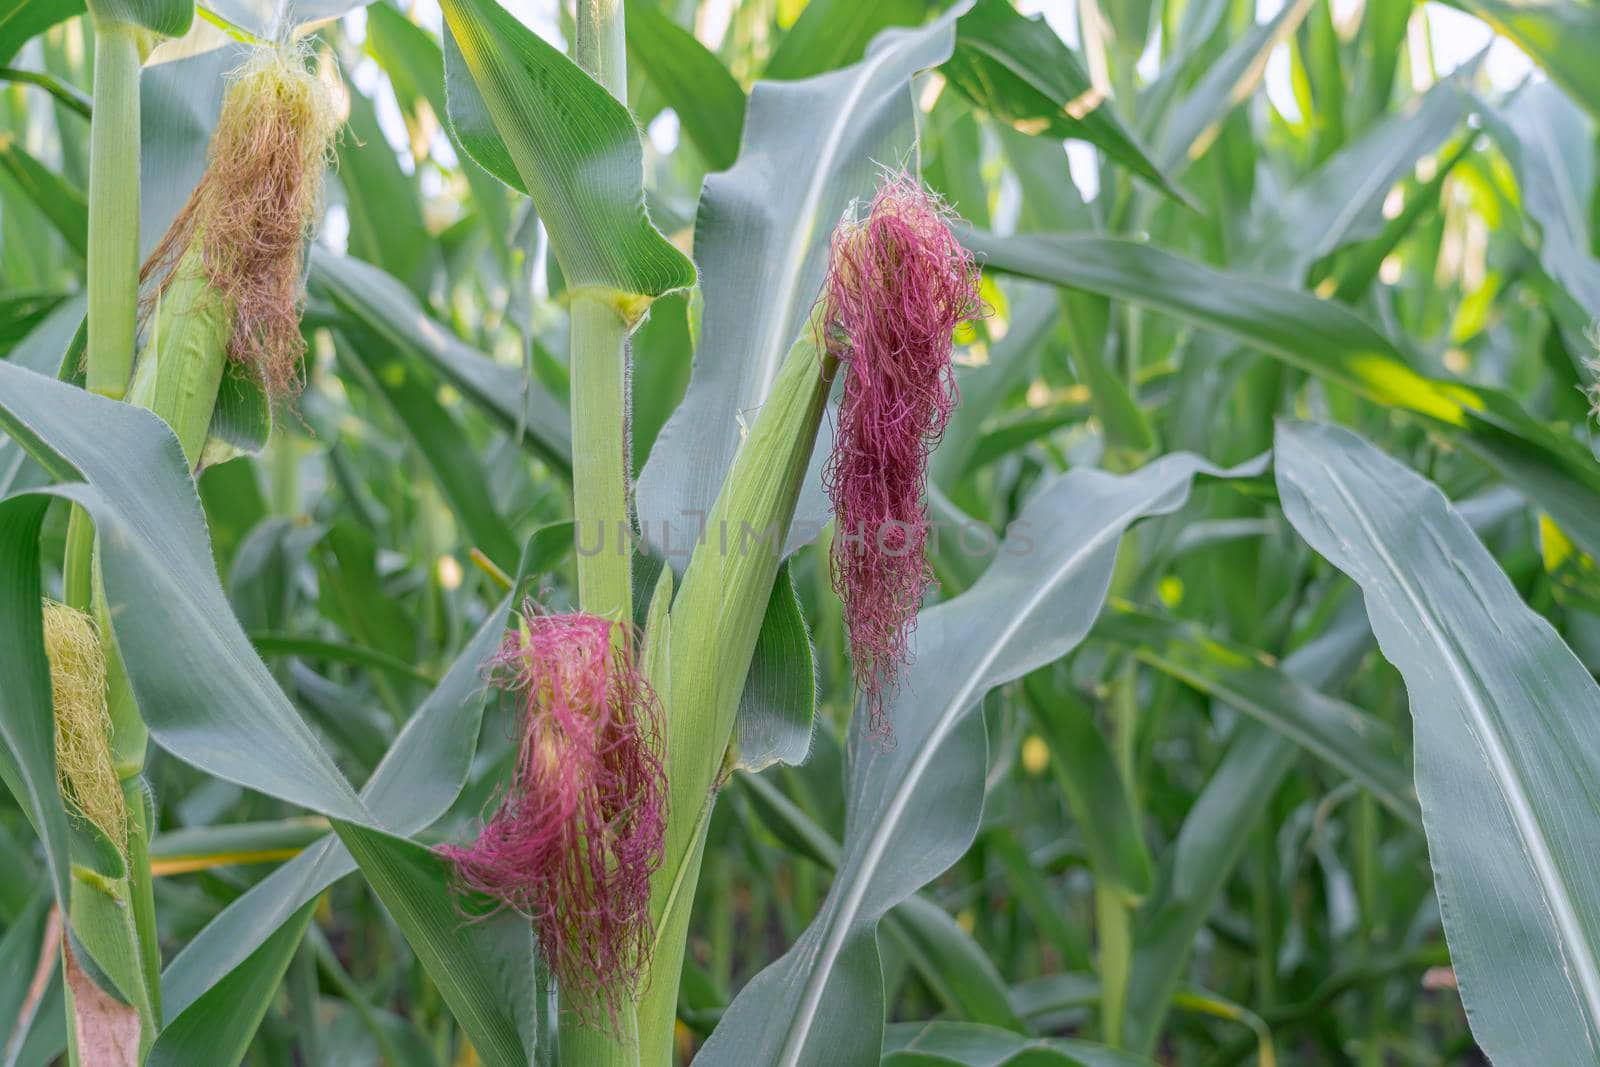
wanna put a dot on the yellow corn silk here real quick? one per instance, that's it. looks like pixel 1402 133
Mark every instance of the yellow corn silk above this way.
pixel 85 771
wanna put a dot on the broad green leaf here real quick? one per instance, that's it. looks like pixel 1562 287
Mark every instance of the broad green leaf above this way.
pixel 572 148
pixel 217 1028
pixel 1019 71
pixel 383 306
pixel 693 82
pixel 417 780
pixel 57 199
pixel 913 807
pixel 832 33
pixel 1505 759
pixel 952 1044
pixel 123 466
pixel 22 19
pixel 20 950
pixel 280 19
pixel 943 954
pixel 165 18
pixel 1562 36
pixel 1357 743
pixel 241 422
pixel 761 241
pixel 27 726
pixel 1330 341
pixel 483 968
pixel 952 963
pixel 54 348
pixel 780 692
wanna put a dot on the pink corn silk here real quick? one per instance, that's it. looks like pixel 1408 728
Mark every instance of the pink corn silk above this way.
pixel 581 826
pixel 899 283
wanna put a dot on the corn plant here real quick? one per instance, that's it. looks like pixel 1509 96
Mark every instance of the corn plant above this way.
pixel 797 532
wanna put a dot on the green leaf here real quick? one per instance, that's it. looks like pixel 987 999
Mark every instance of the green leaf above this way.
pixel 1355 742
pixel 780 692
pixel 954 966
pixel 1099 798
pixel 833 33
pixel 1562 36
pixel 761 239
pixel 165 18
pixel 27 724
pixel 985 390
pixel 913 807
pixel 57 199
pixel 217 1028
pixel 1191 127
pixel 1037 898
pixel 952 1044
pixel 444 446
pixel 943 954
pixel 1542 134
pixel 383 306
pixel 123 465
pixel 1505 759
pixel 20 20
pixel 572 148
pixel 693 82
pixel 1019 71
pixel 418 779
pixel 483 968
pixel 279 19
pixel 1328 340
pixel 1322 210
pixel 241 421
pixel 382 202
pixel 20 951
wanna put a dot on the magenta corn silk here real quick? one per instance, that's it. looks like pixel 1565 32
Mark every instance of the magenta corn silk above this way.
pixel 899 283
pixel 580 827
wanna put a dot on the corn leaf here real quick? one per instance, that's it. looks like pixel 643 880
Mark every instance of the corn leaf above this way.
pixel 1504 755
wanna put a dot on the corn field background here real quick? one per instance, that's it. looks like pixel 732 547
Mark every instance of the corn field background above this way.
pixel 1250 716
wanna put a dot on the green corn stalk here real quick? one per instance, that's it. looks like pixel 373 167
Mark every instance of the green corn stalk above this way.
pixel 599 406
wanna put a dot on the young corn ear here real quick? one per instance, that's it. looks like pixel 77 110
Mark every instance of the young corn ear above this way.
pixel 899 283
pixel 86 774
pixel 252 211
pixel 181 367
pixel 579 829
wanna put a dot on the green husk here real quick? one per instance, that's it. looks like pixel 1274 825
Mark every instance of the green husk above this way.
pixel 181 367
pixel 714 624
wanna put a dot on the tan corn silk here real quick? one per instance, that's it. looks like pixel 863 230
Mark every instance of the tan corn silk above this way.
pixel 255 205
